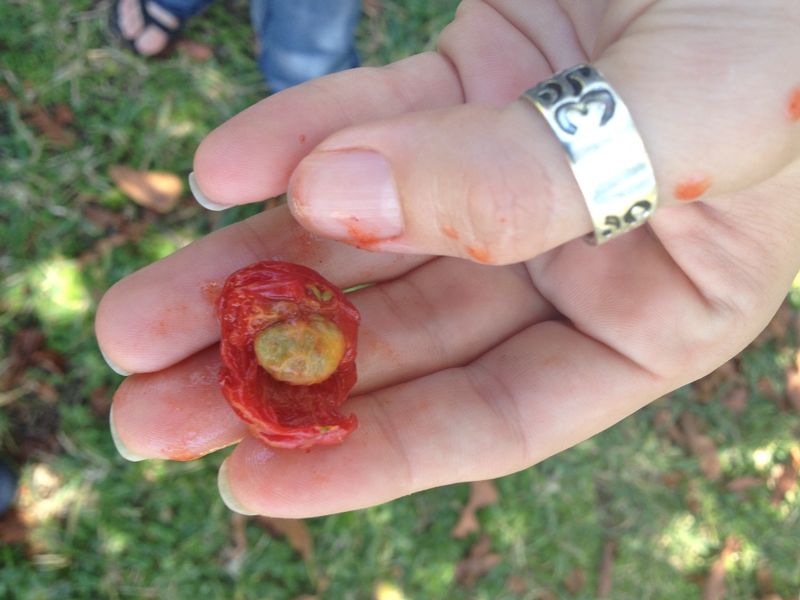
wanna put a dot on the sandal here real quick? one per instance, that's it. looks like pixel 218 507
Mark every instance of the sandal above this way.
pixel 152 15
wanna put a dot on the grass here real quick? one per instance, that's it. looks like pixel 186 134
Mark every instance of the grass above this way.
pixel 105 528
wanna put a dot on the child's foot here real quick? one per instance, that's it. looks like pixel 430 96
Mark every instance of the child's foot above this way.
pixel 148 27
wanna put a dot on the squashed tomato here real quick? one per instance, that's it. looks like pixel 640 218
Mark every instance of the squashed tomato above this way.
pixel 288 347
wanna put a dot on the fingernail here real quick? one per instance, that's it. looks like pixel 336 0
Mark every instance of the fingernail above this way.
pixel 201 198
pixel 123 451
pixel 348 195
pixel 112 366
pixel 226 494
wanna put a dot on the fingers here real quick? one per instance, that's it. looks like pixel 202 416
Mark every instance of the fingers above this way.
pixel 166 312
pixel 251 156
pixel 178 414
pixel 444 314
pixel 542 391
pixel 494 185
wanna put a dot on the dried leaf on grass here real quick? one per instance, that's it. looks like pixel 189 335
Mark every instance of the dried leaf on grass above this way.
pixel 778 327
pixel 156 190
pixel 764 581
pixel 793 384
pixel 477 563
pixel 197 51
pixel 295 531
pixel 736 399
pixel 663 422
pixel 481 494
pixel 575 581
pixel 701 446
pixel 706 388
pixel 605 577
pixel 784 477
pixel 53 127
pixel 742 484
pixel 714 585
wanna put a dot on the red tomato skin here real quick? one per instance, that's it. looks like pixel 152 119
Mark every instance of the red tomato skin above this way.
pixel 278 413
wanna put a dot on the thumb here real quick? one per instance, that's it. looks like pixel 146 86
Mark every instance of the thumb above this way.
pixel 494 184
pixel 471 181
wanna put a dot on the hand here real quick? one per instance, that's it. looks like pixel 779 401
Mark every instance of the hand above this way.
pixel 469 371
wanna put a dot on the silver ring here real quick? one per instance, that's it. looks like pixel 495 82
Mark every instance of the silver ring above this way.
pixel 603 146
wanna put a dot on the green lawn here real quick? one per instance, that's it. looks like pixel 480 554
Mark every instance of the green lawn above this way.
pixel 91 525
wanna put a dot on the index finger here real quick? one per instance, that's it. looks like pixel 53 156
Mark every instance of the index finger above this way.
pixel 251 156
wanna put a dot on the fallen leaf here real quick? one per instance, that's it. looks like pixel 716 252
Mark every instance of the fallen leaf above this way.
pixel 197 51
pixel 764 580
pixel 481 493
pixel 39 118
pixel 13 530
pixel 714 585
pixel 736 400
pixel 516 585
pixel 62 114
pixel 296 533
pixel 663 422
pixel 671 479
pixel 702 447
pixel 706 388
pixel 156 190
pixel 744 483
pixel 101 217
pixel 778 327
pixel 100 401
pixel 24 345
pixel 605 577
pixel 793 384
pixel 477 563
pixel 5 92
pixel 575 581
pixel 784 477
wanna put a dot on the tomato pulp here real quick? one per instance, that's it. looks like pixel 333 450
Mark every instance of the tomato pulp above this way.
pixel 288 348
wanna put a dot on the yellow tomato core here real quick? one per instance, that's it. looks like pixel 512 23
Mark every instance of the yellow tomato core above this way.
pixel 300 352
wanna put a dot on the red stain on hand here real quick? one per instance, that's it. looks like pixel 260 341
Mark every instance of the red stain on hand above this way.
pixel 480 255
pixel 360 237
pixel 794 105
pixel 692 188
pixel 450 232
pixel 301 138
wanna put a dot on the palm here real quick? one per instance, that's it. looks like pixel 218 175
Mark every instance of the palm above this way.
pixel 466 371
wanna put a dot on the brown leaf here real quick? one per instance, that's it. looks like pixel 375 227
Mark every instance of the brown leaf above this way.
pixel 516 585
pixel 100 401
pixel 5 92
pixel 736 400
pixel 744 483
pixel 575 581
pixel 197 51
pixel 605 577
pixel 706 388
pixel 25 344
pixel 101 217
pixel 778 327
pixel 793 384
pixel 662 421
pixel 157 190
pixel 62 114
pixel 480 561
pixel 38 117
pixel 296 533
pixel 764 580
pixel 671 479
pixel 702 447
pixel 784 477
pixel 714 585
pixel 481 493
pixel 13 529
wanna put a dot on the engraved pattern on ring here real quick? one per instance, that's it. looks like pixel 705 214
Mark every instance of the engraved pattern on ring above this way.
pixel 604 148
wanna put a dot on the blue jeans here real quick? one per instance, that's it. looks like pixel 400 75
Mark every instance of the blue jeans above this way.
pixel 297 39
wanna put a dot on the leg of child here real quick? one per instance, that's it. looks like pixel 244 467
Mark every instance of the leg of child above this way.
pixel 303 39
